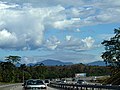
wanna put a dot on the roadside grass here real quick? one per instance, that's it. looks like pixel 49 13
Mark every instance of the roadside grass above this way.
pixel 101 80
pixel 114 80
pixel 4 83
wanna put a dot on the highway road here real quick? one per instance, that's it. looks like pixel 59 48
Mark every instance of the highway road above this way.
pixel 18 87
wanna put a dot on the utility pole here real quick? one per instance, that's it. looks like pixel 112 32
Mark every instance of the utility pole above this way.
pixel 23 76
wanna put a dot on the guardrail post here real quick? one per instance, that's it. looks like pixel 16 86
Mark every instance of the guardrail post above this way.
pixel 73 87
pixel 81 88
pixel 92 88
pixel 77 88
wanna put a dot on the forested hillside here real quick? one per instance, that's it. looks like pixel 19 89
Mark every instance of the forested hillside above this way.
pixel 10 73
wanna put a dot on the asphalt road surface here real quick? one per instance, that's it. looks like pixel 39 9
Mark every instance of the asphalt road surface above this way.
pixel 19 87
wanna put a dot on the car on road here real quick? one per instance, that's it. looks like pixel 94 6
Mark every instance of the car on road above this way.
pixel 34 84
pixel 63 81
pixel 81 82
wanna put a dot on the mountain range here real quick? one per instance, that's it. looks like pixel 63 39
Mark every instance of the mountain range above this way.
pixel 50 62
pixel 97 63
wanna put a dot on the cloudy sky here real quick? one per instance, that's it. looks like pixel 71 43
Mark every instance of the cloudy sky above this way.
pixel 65 30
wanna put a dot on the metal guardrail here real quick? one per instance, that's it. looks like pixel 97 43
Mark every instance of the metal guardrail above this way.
pixel 83 86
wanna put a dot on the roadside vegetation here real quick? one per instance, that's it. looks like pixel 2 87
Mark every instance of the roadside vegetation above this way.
pixel 10 73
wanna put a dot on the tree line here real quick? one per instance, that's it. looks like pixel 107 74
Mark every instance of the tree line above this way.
pixel 9 72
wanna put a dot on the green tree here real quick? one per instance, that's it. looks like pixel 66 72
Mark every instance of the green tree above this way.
pixel 112 50
pixel 7 71
pixel 13 59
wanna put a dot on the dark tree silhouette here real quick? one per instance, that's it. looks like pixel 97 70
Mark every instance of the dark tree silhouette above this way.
pixel 13 59
pixel 112 50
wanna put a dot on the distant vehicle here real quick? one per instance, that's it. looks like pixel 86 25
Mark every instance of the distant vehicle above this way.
pixel 63 81
pixel 34 84
pixel 46 81
pixel 58 81
pixel 81 82
pixel 78 75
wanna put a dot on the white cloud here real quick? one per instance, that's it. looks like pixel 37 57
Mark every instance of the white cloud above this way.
pixel 7 39
pixel 89 41
pixel 106 36
pixel 3 5
pixel 70 43
pixel 68 38
pixel 75 11
pixel 77 30
pixel 47 3
pixel 28 24
pixel 62 24
pixel 77 44
pixel 28 60
pixel 25 25
pixel 52 43
pixel 66 24
pixel 28 20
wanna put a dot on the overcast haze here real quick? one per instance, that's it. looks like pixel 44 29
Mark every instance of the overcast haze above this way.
pixel 65 30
